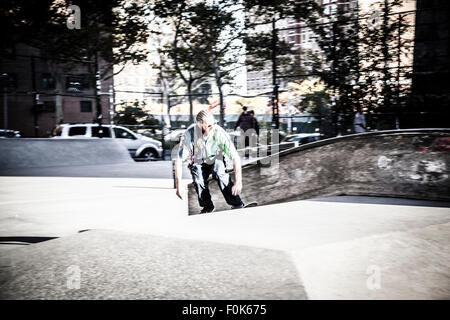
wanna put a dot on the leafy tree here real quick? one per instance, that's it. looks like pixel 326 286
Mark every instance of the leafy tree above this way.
pixel 134 114
pixel 361 60
pixel 339 65
pixel 261 43
pixel 384 49
pixel 110 33
pixel 314 102
pixel 214 35
pixel 183 62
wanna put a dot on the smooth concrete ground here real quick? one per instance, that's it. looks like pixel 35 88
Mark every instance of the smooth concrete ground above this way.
pixel 339 250
pixel 119 265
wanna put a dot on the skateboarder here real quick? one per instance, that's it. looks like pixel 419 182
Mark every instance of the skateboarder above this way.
pixel 207 147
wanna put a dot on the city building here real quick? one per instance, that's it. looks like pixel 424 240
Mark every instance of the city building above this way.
pixel 38 94
pixel 432 60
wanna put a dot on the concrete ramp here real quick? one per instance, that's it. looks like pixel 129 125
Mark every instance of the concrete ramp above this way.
pixel 398 265
pixel 402 163
pixel 35 153
pixel 104 264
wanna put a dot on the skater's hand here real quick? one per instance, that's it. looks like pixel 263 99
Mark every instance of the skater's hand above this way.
pixel 237 188
pixel 180 194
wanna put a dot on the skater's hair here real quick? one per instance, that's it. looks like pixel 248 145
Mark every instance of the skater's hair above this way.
pixel 203 115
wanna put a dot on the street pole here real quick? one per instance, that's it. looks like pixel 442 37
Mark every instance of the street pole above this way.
pixel 98 105
pixel 162 126
pixel 289 122
pixel 35 98
pixel 335 98
pixel 112 110
pixel 275 113
pixel 5 107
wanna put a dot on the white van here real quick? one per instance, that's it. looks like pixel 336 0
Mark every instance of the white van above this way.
pixel 139 146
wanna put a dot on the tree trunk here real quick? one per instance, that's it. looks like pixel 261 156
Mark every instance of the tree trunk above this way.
pixel 59 117
pixel 222 108
pixel 191 105
pixel 219 87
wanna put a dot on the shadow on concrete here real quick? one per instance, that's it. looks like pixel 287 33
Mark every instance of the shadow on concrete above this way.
pixel 24 240
pixel 140 187
pixel 384 200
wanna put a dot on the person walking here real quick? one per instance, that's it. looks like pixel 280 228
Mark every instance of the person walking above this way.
pixel 359 122
pixel 207 146
pixel 255 124
pixel 245 122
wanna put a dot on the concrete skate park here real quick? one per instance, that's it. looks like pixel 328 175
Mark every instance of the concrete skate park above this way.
pixel 356 217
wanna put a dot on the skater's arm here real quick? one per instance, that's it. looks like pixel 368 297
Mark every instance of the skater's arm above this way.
pixel 230 152
pixel 237 188
pixel 181 155
pixel 178 177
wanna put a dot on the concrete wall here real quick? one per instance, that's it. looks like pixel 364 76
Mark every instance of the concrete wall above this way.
pixel 402 163
pixel 30 153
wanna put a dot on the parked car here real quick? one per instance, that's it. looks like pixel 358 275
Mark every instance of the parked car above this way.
pixel 9 133
pixel 302 138
pixel 140 147
pixel 174 136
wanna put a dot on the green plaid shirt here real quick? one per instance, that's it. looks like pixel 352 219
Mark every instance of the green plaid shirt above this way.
pixel 195 147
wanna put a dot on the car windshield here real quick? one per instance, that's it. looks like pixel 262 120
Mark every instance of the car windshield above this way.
pixel 289 139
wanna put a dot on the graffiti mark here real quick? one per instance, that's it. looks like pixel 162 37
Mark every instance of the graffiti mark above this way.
pixel 441 144
pixel 429 171
pixel 384 162
pixel 438 145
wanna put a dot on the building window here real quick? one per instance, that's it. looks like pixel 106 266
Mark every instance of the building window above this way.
pixel 46 106
pixel 77 83
pixel 48 82
pixel 9 80
pixel 85 106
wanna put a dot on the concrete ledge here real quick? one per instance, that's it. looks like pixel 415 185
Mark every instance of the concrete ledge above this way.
pixel 35 153
pixel 402 163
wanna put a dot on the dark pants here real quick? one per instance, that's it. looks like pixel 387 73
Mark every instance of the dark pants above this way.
pixel 200 174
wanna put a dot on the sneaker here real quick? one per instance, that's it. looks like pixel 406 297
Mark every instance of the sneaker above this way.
pixel 238 206
pixel 207 210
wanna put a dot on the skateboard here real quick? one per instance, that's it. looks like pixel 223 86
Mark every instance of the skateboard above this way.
pixel 251 204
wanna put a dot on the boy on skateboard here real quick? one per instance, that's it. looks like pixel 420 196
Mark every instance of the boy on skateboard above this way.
pixel 207 146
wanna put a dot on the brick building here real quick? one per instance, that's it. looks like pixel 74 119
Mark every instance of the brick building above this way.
pixel 41 94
